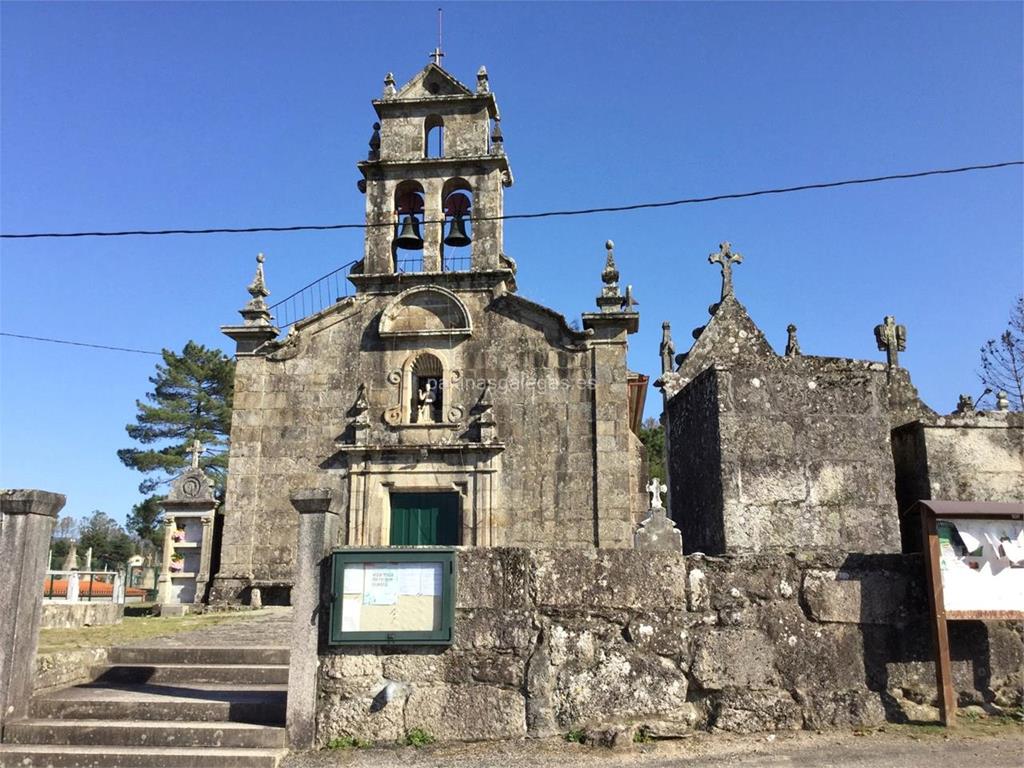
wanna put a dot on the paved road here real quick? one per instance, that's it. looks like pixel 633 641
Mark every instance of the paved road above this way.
pixel 901 749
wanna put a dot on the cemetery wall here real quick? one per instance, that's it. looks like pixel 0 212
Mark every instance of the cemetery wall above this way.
pixel 614 640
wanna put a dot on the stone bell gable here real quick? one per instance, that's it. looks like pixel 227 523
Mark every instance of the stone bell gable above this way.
pixel 772 452
pixel 436 404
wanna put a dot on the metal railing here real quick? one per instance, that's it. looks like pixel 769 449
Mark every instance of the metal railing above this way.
pixel 84 586
pixel 312 298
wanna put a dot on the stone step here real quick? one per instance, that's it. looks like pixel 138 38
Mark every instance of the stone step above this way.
pixel 211 655
pixel 46 756
pixel 261 704
pixel 133 733
pixel 243 674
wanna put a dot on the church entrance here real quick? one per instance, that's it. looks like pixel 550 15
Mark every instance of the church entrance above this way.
pixel 424 518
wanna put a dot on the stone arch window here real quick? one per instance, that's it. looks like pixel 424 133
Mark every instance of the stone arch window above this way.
pixel 433 136
pixel 457 205
pixel 427 390
pixel 408 207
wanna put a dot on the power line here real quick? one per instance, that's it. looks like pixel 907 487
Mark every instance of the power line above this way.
pixel 80 344
pixel 541 215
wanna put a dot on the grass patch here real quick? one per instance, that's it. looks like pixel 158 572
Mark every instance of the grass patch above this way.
pixel 576 735
pixel 643 735
pixel 130 630
pixel 418 737
pixel 348 742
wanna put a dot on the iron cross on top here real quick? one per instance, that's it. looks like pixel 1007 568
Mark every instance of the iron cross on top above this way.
pixel 726 257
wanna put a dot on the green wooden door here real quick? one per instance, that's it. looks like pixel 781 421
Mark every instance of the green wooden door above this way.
pixel 424 518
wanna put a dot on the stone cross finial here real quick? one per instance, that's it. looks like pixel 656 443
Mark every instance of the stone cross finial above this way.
pixel 389 86
pixel 892 339
pixel 666 349
pixel 726 257
pixel 437 54
pixel 629 301
pixel 197 451
pixel 656 488
pixel 792 345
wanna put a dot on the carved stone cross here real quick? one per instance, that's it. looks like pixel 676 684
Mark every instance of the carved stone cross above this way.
pixel 197 450
pixel 726 257
pixel 656 488
pixel 892 339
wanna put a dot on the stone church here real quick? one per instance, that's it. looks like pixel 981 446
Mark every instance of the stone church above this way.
pixel 437 404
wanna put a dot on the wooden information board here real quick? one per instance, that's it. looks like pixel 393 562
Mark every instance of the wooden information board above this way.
pixel 974 559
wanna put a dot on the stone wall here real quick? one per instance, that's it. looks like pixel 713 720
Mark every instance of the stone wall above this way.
pixel 960 457
pixel 792 452
pixel 72 615
pixel 548 641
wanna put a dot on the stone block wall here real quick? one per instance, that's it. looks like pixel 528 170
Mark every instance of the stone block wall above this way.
pixel 791 453
pixel 547 641
pixel 960 457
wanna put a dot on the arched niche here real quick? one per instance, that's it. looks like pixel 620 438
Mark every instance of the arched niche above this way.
pixel 425 311
pixel 433 136
pixel 456 203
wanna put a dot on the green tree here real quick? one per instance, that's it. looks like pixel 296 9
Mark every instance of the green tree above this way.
pixel 144 521
pixel 652 435
pixel 1002 360
pixel 191 400
pixel 111 545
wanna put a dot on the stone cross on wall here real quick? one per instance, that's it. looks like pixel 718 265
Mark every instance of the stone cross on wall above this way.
pixel 197 451
pixel 892 339
pixel 656 488
pixel 726 257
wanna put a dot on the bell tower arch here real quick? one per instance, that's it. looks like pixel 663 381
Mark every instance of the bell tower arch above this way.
pixel 434 178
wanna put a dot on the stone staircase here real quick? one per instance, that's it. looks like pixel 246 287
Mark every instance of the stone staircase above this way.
pixel 152 707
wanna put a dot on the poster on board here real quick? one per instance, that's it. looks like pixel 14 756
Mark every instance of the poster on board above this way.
pixel 981 564
pixel 392 597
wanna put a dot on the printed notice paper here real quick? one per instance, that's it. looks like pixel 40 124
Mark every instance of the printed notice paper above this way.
pixel 353 584
pixel 350 612
pixel 981 566
pixel 381 585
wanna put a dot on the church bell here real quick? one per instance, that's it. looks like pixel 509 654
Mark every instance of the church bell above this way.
pixel 457 236
pixel 409 238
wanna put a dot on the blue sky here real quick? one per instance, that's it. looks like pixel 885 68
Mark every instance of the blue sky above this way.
pixel 156 115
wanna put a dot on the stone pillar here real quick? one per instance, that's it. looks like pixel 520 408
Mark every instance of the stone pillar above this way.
pixel 318 535
pixel 163 581
pixel 26 523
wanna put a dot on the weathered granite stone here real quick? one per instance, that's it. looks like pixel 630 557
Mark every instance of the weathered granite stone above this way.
pixel 780 453
pixel 775 642
pixel 531 423
pixel 26 521
pixel 960 457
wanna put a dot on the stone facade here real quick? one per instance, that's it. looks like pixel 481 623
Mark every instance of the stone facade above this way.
pixel 776 452
pixel 436 376
pixel 548 641
pixel 973 456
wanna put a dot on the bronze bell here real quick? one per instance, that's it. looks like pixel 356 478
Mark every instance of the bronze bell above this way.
pixel 457 236
pixel 409 238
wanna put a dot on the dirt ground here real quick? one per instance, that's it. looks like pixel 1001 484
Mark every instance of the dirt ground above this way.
pixel 992 744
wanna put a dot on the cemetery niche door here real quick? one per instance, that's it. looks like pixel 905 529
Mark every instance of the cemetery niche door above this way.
pixel 424 518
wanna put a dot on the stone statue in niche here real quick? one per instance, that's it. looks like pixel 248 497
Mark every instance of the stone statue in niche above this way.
pixel 427 403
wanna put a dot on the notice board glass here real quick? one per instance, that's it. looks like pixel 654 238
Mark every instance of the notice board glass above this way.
pixel 392 596
pixel 982 564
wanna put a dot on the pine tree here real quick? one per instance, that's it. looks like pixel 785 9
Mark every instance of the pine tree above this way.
pixel 1002 360
pixel 143 521
pixel 652 435
pixel 111 546
pixel 191 400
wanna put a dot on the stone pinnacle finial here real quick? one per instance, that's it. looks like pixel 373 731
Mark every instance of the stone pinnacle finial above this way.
pixel 482 85
pixel 610 299
pixel 374 153
pixel 965 405
pixel 892 339
pixel 667 349
pixel 792 344
pixel 1002 400
pixel 726 257
pixel 389 86
pixel 258 287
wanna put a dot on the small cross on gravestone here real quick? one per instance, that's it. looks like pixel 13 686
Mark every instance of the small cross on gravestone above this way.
pixel 656 488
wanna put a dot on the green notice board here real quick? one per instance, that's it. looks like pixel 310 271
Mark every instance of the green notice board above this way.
pixel 392 596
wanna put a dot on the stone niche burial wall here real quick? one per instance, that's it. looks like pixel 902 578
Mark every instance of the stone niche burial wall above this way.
pixel 548 641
